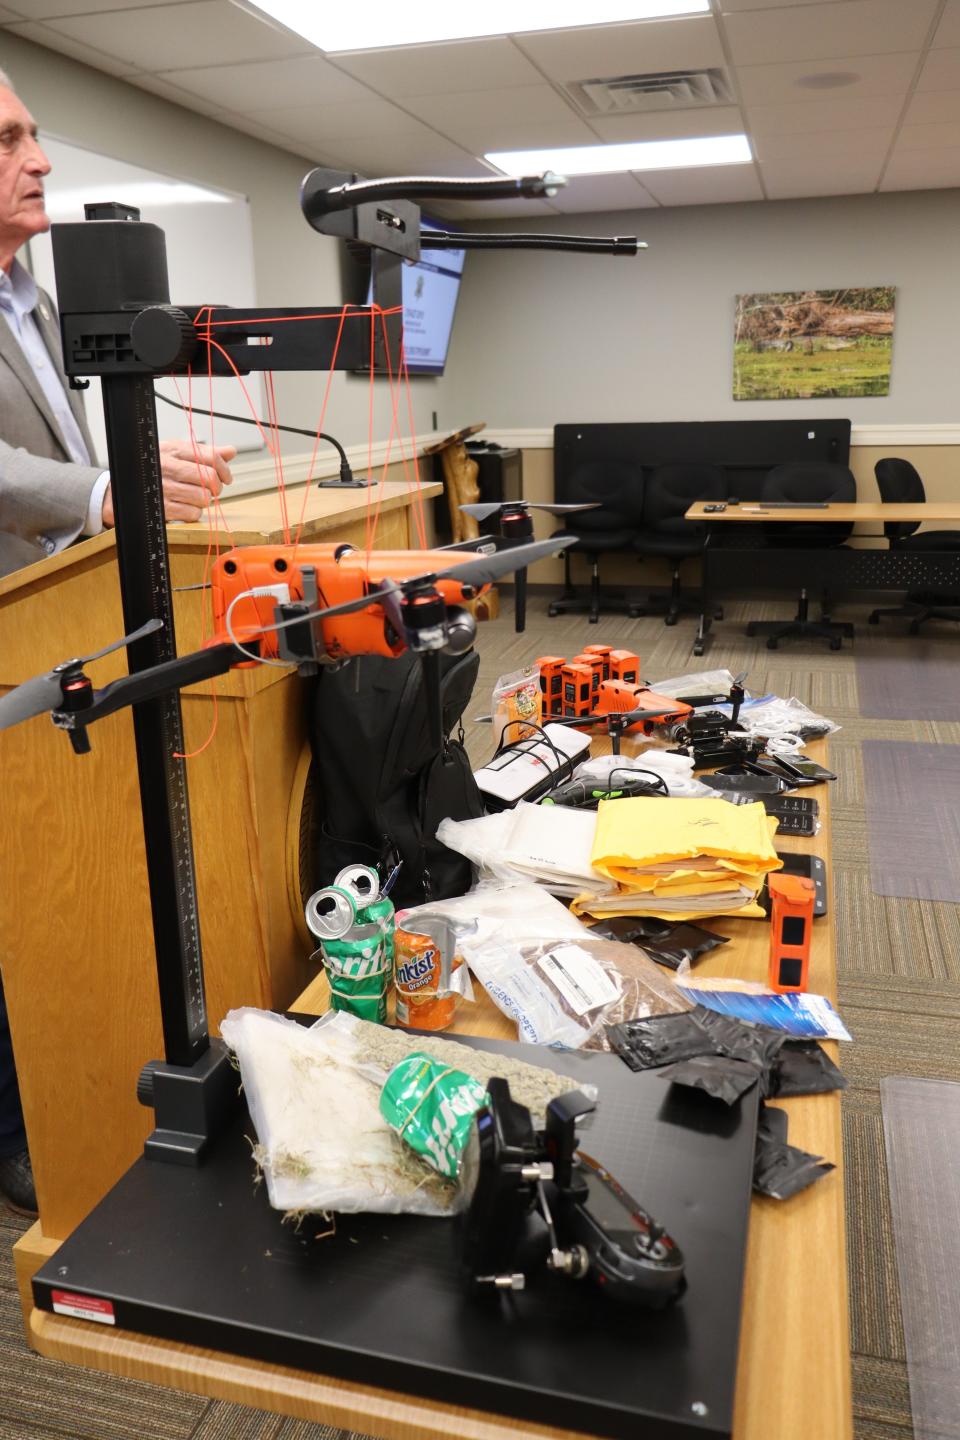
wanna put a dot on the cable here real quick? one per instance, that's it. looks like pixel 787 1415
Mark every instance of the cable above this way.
pixel 345 471
pixel 258 591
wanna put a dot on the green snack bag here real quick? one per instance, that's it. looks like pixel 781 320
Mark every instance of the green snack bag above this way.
pixel 431 1107
pixel 359 972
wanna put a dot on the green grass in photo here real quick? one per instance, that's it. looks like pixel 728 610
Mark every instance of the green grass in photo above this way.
pixel 811 367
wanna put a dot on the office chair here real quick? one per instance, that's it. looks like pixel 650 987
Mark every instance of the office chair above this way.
pixel 618 486
pixel 900 484
pixel 669 493
pixel 804 482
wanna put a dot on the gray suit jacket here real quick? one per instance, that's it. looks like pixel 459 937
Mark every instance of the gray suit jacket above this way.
pixel 41 489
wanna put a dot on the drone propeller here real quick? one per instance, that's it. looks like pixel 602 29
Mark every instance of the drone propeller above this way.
pixel 45 692
pixel 485 509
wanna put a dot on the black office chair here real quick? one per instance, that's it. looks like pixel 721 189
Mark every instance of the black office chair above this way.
pixel 618 487
pixel 802 482
pixel 669 493
pixel 899 485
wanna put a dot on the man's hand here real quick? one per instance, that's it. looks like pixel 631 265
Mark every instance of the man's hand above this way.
pixel 192 477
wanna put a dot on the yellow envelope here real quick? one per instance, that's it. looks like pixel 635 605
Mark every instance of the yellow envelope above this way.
pixel 650 831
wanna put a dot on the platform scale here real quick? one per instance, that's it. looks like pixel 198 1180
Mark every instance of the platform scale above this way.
pixel 183 1247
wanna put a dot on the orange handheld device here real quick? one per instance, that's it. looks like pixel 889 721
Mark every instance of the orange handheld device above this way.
pixel 791 920
pixel 595 665
pixel 551 683
pixel 577 689
pixel 625 666
pixel 604 651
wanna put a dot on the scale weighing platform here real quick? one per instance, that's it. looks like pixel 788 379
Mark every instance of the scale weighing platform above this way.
pixel 196 1254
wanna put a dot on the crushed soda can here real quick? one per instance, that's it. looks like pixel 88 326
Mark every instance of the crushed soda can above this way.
pixel 359 972
pixel 424 966
pixel 431 1107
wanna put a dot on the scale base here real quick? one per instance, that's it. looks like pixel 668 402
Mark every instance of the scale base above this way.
pixel 197 1255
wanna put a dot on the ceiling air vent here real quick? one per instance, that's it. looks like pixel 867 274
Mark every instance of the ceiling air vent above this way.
pixel 671 89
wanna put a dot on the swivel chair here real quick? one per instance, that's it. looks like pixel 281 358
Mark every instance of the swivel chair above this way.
pixel 618 487
pixel 900 484
pixel 803 482
pixel 669 493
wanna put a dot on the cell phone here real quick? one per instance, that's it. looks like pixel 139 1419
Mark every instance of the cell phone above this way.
pixel 712 509
pixel 804 767
pixel 813 868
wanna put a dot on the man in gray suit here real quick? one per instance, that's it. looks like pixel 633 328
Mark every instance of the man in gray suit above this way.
pixel 52 491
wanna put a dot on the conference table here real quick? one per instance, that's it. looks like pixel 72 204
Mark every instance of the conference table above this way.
pixel 736 556
pixel 793 1372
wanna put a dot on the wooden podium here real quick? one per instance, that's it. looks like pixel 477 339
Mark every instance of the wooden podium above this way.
pixel 76 941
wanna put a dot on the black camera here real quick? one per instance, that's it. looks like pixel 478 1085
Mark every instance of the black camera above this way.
pixel 536 1203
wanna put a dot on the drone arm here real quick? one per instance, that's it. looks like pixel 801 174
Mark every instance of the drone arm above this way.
pixel 585 244
pixel 148 684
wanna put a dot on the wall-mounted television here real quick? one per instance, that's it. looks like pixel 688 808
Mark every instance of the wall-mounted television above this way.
pixel 430 289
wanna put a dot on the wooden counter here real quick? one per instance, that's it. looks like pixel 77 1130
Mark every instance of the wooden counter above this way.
pixel 793 1380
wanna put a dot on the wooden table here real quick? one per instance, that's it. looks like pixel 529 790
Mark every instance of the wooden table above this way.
pixel 793 1378
pixel 735 556
pixel 861 510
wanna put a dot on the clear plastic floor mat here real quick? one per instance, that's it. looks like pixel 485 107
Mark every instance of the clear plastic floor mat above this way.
pixel 921 1126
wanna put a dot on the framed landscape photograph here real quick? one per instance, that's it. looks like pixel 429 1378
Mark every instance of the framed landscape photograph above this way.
pixel 809 344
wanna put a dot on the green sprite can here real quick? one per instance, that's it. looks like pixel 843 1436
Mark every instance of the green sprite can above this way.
pixel 431 1106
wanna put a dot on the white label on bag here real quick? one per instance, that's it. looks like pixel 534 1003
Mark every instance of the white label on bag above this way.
pixel 583 983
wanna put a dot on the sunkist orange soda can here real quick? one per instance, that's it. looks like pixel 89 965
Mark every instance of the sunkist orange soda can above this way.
pixel 424 1000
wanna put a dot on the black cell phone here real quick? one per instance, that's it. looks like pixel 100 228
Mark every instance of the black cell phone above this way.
pixel 806 768
pixel 813 868
pixel 713 509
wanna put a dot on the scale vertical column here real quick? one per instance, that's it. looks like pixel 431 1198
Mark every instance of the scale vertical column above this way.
pixel 136 485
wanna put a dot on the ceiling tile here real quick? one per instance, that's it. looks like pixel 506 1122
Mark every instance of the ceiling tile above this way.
pixel 802 176
pixel 300 80
pixel 799 119
pixel 607 50
pixel 945 136
pixel 826 145
pixel 878 75
pixel 66 45
pixel 704 185
pixel 482 121
pixel 670 124
pixel 587 193
pixel 948 31
pixel 250 125
pixel 941 71
pixel 159 85
pixel 441 69
pixel 163 37
pixel 503 132
pixel 336 122
pixel 828 31
pixel 933 107
pixel 923 170
pixel 392 154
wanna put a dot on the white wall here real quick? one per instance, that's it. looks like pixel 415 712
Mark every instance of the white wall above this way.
pixel 293 265
pixel 540 339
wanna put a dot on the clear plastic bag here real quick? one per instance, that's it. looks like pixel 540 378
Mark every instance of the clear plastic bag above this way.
pixel 564 990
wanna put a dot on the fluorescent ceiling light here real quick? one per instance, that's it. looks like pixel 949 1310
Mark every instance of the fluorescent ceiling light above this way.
pixel 141 193
pixel 612 159
pixel 334 27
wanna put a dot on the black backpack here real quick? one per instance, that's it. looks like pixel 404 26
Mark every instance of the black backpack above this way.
pixel 382 788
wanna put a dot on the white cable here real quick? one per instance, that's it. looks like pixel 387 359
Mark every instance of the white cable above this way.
pixel 258 592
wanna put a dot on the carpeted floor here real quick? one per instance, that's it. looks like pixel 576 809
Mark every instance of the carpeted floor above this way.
pixel 899 966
